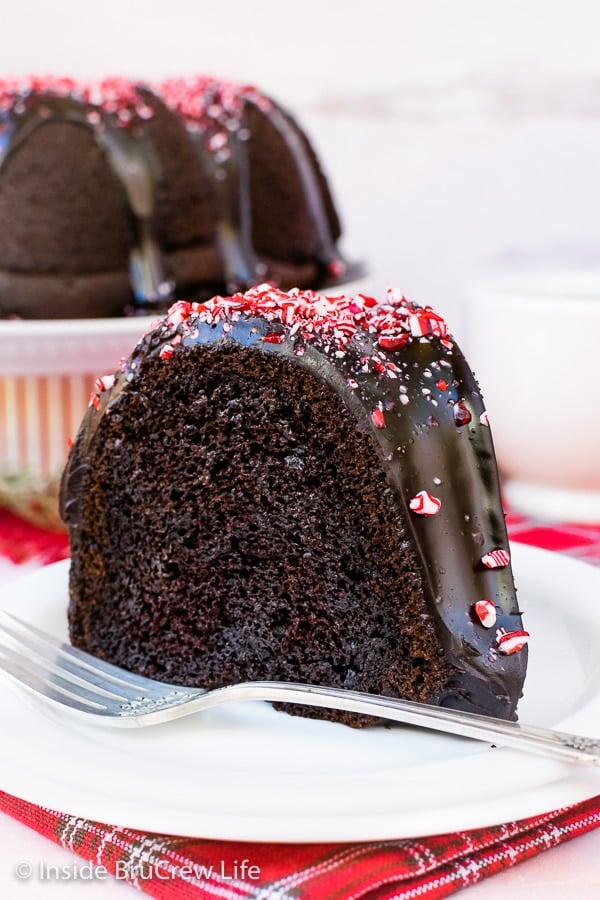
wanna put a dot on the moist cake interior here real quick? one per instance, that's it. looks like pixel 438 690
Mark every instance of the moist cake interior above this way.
pixel 257 538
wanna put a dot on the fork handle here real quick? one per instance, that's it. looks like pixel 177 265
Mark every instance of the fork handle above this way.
pixel 529 738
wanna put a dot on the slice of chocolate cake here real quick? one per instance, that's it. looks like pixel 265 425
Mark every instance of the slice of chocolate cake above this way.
pixel 299 488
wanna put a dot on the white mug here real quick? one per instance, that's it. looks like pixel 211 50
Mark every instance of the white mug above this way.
pixel 533 341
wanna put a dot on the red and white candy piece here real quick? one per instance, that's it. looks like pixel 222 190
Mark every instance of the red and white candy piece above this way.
pixel 104 383
pixel 495 559
pixel 485 611
pixel 512 641
pixel 273 337
pixel 425 504
pixel 392 342
pixel 423 321
pixel 378 418
pixel 462 416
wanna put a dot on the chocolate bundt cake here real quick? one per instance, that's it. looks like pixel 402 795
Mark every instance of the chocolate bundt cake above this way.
pixel 117 197
pixel 296 487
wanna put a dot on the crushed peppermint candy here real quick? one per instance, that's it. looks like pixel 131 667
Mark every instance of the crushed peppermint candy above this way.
pixel 378 418
pixel 462 416
pixel 211 104
pixel 118 97
pixel 425 504
pixel 509 642
pixel 393 343
pixel 495 559
pixel 104 383
pixel 425 321
pixel 213 108
pixel 485 612
pixel 336 320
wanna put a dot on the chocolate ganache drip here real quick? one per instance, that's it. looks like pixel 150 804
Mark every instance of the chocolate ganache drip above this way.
pixel 117 125
pixel 216 115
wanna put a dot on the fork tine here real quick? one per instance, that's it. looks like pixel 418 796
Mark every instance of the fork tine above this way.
pixel 86 666
pixel 46 657
pixel 76 680
pixel 28 673
pixel 64 670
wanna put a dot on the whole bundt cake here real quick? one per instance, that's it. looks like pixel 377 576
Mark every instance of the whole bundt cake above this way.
pixel 116 197
pixel 296 487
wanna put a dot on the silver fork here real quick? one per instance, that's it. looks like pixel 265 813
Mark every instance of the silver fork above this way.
pixel 108 695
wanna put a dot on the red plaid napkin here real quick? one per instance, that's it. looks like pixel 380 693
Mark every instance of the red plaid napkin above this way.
pixel 21 541
pixel 167 866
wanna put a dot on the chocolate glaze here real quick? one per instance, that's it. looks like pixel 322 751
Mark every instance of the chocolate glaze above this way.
pixel 327 252
pixel 123 133
pixel 421 445
pixel 231 182
pixel 228 167
pixel 134 163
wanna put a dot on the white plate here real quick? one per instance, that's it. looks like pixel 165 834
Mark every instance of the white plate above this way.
pixel 246 772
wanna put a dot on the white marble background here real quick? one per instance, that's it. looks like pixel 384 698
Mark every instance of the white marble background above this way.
pixel 457 133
